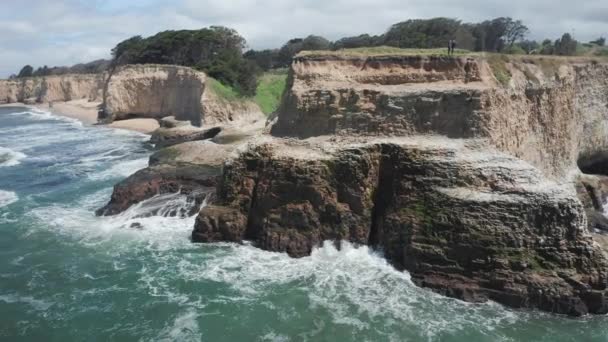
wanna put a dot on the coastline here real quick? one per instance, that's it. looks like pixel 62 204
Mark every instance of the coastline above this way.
pixel 86 112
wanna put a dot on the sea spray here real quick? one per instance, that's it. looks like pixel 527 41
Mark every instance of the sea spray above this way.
pixel 66 274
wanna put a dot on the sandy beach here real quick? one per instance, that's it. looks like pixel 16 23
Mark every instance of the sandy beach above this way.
pixel 86 112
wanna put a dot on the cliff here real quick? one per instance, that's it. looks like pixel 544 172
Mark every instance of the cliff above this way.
pixel 52 88
pixel 136 91
pixel 460 169
pixel 552 112
pixel 157 91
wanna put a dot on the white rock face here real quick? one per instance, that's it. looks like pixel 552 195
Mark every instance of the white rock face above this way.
pixel 136 91
pixel 52 88
pixel 155 91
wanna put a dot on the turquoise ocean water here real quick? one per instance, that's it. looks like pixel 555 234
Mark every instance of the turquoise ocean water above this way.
pixel 66 275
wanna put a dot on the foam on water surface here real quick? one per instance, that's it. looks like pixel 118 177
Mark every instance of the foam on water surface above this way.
pixel 136 276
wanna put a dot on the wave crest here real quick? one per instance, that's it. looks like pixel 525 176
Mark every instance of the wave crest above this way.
pixel 7 197
pixel 9 157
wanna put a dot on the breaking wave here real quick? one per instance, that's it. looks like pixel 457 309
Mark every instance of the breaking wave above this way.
pixel 9 157
pixel 7 197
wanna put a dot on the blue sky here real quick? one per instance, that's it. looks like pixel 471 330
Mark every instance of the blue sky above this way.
pixel 65 32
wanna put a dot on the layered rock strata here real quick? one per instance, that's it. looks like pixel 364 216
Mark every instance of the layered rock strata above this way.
pixel 461 179
pixel 52 88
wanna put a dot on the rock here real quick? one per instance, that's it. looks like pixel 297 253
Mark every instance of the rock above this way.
pixel 171 122
pixel 52 88
pixel 164 137
pixel 550 114
pixel 187 168
pixel 136 91
pixel 592 190
pixel 463 219
pixel 157 91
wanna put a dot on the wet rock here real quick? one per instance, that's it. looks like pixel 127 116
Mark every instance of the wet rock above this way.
pixel 164 137
pixel 187 168
pixel 464 220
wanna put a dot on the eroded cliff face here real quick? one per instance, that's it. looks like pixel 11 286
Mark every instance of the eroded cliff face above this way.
pixel 136 91
pixel 52 88
pixel 464 220
pixel 157 91
pixel 552 112
pixel 464 181
pixel 154 91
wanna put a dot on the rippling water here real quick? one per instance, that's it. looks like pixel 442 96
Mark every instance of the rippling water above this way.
pixel 66 275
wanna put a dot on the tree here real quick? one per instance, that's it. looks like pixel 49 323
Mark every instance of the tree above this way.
pixel 565 46
pixel 26 71
pixel 529 46
pixel 216 50
pixel 547 47
pixel 422 33
pixel 264 59
pixel 312 43
pixel 290 49
pixel 515 31
pixel 601 41
pixel 364 40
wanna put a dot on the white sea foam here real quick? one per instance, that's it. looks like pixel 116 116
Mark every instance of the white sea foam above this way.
pixel 36 304
pixel 120 170
pixel 7 197
pixel 183 328
pixel 10 157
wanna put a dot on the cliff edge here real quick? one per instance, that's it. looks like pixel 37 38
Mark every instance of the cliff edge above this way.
pixel 462 170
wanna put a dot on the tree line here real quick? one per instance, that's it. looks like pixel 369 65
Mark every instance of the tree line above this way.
pixel 219 51
pixel 501 35
pixel 93 67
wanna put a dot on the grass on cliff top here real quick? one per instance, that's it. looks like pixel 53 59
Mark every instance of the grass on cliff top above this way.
pixel 270 89
pixel 384 51
pixel 268 93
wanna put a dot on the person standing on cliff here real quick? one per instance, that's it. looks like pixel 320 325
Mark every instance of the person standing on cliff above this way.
pixel 451 46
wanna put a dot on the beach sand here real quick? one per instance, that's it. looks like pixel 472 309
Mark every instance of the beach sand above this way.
pixel 86 111
pixel 140 125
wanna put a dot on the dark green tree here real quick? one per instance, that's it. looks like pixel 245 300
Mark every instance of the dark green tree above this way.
pixel 565 46
pixel 26 71
pixel 422 33
pixel 601 41
pixel 364 40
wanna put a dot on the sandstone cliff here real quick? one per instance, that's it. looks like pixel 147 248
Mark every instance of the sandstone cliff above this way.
pixel 551 113
pixel 52 88
pixel 157 91
pixel 461 170
pixel 136 91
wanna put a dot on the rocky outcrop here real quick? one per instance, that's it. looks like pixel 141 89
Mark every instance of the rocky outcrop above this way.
pixel 52 88
pixel 164 137
pixel 190 168
pixel 157 91
pixel 464 220
pixel 461 179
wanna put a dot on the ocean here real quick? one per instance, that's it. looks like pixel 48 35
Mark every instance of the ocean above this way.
pixel 66 275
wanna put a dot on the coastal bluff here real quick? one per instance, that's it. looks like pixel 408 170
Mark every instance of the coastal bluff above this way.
pixel 465 171
pixel 135 91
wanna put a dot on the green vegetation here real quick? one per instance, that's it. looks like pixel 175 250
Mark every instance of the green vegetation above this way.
pixel 498 63
pixel 224 92
pixel 215 50
pixel 270 89
pixel 386 51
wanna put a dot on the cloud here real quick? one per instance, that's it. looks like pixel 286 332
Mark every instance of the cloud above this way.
pixel 63 32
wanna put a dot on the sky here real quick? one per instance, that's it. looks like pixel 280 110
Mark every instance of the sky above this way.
pixel 65 32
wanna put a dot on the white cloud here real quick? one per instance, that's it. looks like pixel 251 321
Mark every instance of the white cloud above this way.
pixel 62 32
